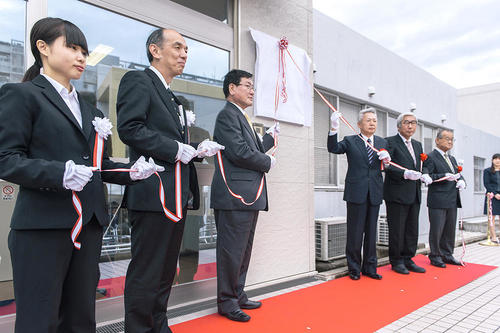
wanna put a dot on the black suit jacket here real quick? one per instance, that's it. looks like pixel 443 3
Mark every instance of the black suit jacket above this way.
pixel 396 188
pixel 38 134
pixel 148 122
pixel 245 162
pixel 362 178
pixel 443 194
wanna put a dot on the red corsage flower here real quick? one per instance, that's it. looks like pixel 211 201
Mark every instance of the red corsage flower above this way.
pixel 459 168
pixel 423 157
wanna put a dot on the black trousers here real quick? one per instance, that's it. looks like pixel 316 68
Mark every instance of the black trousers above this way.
pixel 403 231
pixel 155 249
pixel 235 233
pixel 442 232
pixel 362 231
pixel 54 283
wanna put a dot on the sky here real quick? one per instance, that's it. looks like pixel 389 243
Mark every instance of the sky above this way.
pixel 457 41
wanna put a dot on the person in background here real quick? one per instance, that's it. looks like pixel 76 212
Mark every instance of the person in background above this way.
pixel 491 180
pixel 443 199
pixel 363 190
pixel 47 139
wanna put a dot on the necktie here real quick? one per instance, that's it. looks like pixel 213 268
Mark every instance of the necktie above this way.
pixel 369 151
pixel 412 152
pixel 249 122
pixel 447 159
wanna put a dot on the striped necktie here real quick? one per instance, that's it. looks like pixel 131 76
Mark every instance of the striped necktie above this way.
pixel 447 159
pixel 369 151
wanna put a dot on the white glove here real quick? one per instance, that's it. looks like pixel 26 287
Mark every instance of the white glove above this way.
pixel 186 153
pixel 273 161
pixel 208 148
pixel 190 118
pixel 426 179
pixel 412 175
pixel 274 130
pixel 452 177
pixel 383 155
pixel 144 169
pixel 461 184
pixel 335 121
pixel 76 176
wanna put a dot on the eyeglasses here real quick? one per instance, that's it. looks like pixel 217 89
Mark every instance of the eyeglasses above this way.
pixel 410 122
pixel 448 139
pixel 248 86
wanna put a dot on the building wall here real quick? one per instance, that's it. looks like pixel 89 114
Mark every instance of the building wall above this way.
pixel 284 240
pixel 476 104
pixel 479 135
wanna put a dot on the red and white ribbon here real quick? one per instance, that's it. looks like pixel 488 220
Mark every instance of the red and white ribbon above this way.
pixel 103 130
pixel 77 228
pixel 237 196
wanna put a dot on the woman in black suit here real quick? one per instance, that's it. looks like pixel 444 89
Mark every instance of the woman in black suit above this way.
pixel 491 180
pixel 47 138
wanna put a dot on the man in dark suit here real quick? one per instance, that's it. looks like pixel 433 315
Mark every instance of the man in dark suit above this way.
pixel 151 123
pixel 244 164
pixel 402 195
pixel 443 199
pixel 363 190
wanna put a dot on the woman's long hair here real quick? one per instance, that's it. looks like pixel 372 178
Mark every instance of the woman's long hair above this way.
pixel 49 29
pixel 495 156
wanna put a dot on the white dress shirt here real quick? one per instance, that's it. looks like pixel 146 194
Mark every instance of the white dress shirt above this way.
pixel 409 146
pixel 366 138
pixel 70 98
pixel 167 87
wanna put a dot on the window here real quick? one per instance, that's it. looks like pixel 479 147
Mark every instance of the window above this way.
pixel 429 139
pixel 478 174
pixel 12 32
pixel 325 164
pixel 350 111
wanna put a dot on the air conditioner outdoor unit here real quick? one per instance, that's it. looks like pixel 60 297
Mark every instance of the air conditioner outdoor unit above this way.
pixel 382 231
pixel 331 234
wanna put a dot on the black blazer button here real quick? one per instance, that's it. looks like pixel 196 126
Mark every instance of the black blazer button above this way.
pixel 86 157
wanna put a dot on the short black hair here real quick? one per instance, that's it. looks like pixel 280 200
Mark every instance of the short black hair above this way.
pixel 234 76
pixel 156 37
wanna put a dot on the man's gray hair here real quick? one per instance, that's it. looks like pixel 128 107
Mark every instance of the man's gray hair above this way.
pixel 401 117
pixel 440 132
pixel 366 110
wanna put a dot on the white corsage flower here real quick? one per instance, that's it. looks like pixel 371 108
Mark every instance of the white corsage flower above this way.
pixel 102 126
pixel 190 118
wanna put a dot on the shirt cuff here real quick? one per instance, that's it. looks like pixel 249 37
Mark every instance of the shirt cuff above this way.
pixel 332 133
pixel 179 152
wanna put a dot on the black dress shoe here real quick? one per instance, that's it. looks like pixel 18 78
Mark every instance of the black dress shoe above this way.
pixel 354 276
pixel 412 267
pixel 401 269
pixel 439 264
pixel 251 305
pixel 452 261
pixel 373 276
pixel 236 315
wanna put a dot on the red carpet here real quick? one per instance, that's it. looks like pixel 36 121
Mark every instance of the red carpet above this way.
pixel 344 305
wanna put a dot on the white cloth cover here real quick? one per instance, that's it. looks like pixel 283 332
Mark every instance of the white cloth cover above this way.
pixel 299 106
